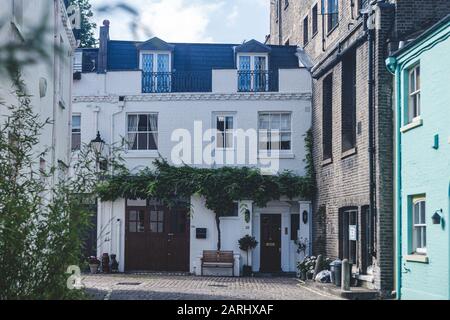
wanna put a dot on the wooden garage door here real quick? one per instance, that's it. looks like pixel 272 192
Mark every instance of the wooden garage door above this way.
pixel 157 239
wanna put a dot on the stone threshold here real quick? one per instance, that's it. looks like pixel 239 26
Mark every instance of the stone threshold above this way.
pixel 355 293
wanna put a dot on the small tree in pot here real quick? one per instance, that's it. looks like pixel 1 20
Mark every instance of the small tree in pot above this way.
pixel 247 244
pixel 94 264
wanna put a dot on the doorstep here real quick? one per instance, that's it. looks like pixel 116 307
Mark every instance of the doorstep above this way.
pixel 356 293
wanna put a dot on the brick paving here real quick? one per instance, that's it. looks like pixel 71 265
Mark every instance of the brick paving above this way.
pixel 180 287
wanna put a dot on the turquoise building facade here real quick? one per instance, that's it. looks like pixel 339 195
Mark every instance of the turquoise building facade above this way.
pixel 422 121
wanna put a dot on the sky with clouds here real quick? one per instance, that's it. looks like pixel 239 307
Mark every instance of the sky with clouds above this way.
pixel 226 21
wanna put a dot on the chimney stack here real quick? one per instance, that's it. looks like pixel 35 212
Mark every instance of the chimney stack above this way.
pixel 103 48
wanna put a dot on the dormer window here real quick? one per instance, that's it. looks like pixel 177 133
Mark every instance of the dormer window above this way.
pixel 253 73
pixel 155 61
pixel 156 72
pixel 253 67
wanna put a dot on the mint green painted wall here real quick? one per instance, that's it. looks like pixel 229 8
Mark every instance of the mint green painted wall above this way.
pixel 425 170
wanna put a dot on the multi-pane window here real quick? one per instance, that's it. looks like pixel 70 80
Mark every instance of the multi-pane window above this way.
pixel 235 212
pixel 253 74
pixel 414 94
pixel 419 226
pixel 136 221
pixel 315 22
pixel 76 132
pixel 333 14
pixel 157 221
pixel 349 101
pixel 275 131
pixel 305 31
pixel 156 72
pixel 327 117
pixel 143 131
pixel 225 131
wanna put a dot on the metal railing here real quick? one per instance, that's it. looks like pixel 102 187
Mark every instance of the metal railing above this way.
pixel 172 82
pixel 254 81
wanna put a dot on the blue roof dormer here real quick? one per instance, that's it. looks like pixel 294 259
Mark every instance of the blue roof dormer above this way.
pixel 155 44
pixel 253 46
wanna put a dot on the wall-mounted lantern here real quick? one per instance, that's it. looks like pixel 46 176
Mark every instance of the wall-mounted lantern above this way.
pixel 305 217
pixel 437 217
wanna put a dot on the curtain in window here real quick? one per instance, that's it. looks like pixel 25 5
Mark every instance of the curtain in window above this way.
pixel 132 131
pixel 153 135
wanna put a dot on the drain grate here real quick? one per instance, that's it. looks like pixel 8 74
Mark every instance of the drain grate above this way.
pixel 129 284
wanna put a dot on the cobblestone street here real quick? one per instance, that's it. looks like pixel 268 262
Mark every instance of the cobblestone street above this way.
pixel 174 287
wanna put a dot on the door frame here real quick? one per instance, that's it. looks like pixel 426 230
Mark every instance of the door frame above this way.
pixel 166 234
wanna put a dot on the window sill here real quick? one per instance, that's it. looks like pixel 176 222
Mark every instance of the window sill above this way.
pixel 229 218
pixel 142 154
pixel 327 162
pixel 332 30
pixel 418 258
pixel 349 153
pixel 277 156
pixel 415 124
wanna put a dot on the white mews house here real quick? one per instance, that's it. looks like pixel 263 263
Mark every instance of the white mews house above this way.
pixel 156 94
pixel 48 81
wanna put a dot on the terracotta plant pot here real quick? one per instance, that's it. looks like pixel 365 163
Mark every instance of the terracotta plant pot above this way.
pixel 94 268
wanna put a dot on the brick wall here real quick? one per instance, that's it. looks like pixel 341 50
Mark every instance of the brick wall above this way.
pixel 345 181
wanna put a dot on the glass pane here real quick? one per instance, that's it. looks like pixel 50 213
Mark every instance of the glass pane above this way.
pixel 153 122
pixel 160 227
pixel 275 140
pixel 418 78
pixel 264 140
pixel 229 138
pixel 141 227
pixel 264 121
pixel 132 123
pixel 154 227
pixel 244 63
pixel 260 63
pixel 143 125
pixel 221 124
pixel 286 141
pixel 424 237
pixel 220 140
pixel 163 63
pixel 133 227
pixel 153 216
pixel 412 82
pixel 416 211
pixel 286 122
pixel 76 141
pixel 132 141
pixel 142 141
pixel 147 62
pixel 423 213
pixel 160 215
pixel 152 141
pixel 76 122
pixel 229 123
pixel 133 215
pixel 275 121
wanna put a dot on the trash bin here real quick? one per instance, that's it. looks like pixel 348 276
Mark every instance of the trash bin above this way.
pixel 336 272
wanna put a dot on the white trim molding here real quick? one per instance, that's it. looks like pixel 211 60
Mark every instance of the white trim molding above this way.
pixel 196 97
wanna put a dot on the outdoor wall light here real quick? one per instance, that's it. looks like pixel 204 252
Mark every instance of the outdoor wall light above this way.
pixel 305 217
pixel 98 144
pixel 437 217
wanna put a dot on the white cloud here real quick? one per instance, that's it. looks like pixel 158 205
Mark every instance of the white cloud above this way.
pixel 171 20
pixel 233 16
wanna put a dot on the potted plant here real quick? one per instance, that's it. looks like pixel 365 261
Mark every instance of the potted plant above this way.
pixel 94 264
pixel 247 244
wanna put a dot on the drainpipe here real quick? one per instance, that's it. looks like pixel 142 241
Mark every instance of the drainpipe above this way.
pixel 399 185
pixel 111 209
pixel 372 150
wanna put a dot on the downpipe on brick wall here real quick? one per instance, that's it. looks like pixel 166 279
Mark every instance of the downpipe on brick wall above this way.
pixel 368 27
